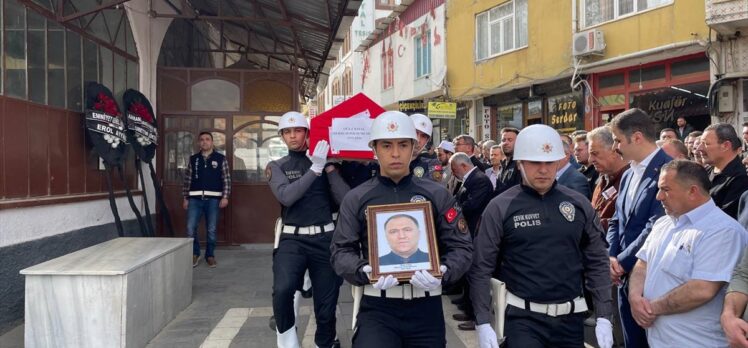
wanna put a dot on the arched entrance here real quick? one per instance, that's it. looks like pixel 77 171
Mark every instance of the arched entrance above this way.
pixel 241 108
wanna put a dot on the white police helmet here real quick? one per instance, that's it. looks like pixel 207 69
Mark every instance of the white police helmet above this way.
pixel 538 143
pixel 422 123
pixel 392 125
pixel 292 119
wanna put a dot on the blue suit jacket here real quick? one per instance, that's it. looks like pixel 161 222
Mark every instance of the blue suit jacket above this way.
pixel 576 181
pixel 629 227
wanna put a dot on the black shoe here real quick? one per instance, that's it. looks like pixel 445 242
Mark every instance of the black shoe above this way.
pixel 461 317
pixel 467 326
pixel 307 293
pixel 336 343
pixel 271 323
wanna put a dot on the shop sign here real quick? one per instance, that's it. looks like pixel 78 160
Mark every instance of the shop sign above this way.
pixel 565 113
pixel 486 123
pixel 442 110
pixel 664 105
pixel 412 106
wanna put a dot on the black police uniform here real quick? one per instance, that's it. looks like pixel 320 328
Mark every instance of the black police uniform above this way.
pixel 305 242
pixel 425 166
pixel 399 322
pixel 545 248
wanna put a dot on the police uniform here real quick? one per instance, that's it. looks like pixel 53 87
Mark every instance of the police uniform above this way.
pixel 545 248
pixel 305 241
pixel 424 166
pixel 402 315
pixel 206 181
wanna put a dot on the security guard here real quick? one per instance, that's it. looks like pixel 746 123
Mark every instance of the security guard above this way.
pixel 544 241
pixel 305 188
pixel 424 166
pixel 392 314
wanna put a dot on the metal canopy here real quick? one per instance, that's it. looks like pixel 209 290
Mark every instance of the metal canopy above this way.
pixel 274 34
pixel 269 34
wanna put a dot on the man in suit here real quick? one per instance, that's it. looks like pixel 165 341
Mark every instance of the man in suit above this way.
pixel 683 129
pixel 634 137
pixel 473 197
pixel 465 143
pixel 570 177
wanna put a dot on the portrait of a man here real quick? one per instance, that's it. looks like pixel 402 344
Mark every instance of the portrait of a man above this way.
pixel 403 233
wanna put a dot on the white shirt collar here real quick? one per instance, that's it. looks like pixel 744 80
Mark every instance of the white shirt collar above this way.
pixel 645 162
pixel 696 214
pixel 562 170
pixel 468 173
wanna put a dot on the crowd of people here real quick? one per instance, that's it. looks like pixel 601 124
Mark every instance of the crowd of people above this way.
pixel 573 224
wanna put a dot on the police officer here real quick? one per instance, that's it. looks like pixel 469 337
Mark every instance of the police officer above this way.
pixel 206 189
pixel 393 314
pixel 544 241
pixel 305 188
pixel 424 165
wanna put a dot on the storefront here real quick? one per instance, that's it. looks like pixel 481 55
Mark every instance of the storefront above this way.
pixel 665 90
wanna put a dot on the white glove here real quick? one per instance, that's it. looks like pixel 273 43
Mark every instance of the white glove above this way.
pixel 425 281
pixel 319 156
pixel 383 283
pixel 486 336
pixel 604 333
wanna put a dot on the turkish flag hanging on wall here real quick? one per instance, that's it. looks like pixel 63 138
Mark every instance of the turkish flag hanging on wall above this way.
pixel 320 125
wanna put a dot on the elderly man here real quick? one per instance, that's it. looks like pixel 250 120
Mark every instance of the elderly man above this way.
pixel 497 158
pixel 611 166
pixel 486 149
pixel 674 148
pixel 570 177
pixel 444 151
pixel 677 286
pixel 582 154
pixel 695 137
pixel 465 143
pixel 668 133
pixel 472 198
pixel 720 147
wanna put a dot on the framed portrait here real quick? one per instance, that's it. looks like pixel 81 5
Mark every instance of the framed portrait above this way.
pixel 402 240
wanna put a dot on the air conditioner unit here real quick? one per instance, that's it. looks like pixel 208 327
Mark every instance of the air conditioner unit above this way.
pixel 587 43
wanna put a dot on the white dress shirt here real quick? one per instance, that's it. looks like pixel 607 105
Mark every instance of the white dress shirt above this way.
pixel 703 244
pixel 562 170
pixel 637 172
pixel 493 175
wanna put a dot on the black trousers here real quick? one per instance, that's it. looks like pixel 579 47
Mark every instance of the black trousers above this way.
pixel 296 254
pixel 526 329
pixel 398 323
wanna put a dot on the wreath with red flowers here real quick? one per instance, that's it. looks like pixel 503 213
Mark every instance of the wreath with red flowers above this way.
pixel 141 110
pixel 106 105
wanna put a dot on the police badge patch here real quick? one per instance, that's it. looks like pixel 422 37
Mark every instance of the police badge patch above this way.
pixel 462 225
pixel 567 210
pixel 418 171
pixel 268 172
pixel 437 176
pixel 214 164
pixel 417 199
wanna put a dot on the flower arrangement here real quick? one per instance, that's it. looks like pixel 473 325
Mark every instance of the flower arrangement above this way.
pixel 141 110
pixel 106 104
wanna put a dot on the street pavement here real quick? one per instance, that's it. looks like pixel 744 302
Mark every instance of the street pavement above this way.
pixel 231 306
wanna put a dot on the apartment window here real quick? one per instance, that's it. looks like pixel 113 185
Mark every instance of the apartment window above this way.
pixel 502 28
pixel 599 11
pixel 423 54
pixel 388 71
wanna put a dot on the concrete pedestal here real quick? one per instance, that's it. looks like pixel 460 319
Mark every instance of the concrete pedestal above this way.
pixel 119 293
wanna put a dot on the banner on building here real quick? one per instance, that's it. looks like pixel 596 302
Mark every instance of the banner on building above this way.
pixel 442 110
pixel 486 123
pixel 412 106
pixel 566 112
pixel 665 105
